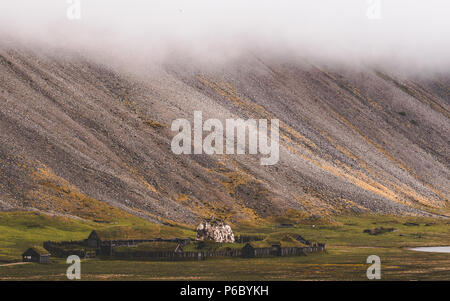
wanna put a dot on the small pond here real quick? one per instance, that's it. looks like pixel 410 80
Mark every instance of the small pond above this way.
pixel 432 249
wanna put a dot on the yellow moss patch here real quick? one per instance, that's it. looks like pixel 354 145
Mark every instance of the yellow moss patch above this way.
pixel 53 193
pixel 141 179
pixel 234 179
pixel 154 124
pixel 182 197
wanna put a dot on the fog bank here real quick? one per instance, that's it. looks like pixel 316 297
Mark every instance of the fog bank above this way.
pixel 411 33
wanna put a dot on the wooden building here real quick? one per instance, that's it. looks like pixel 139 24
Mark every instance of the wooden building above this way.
pixel 275 250
pixel 36 254
pixel 94 240
pixel 248 251
pixel 121 236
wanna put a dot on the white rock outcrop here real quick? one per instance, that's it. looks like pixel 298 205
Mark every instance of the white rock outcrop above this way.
pixel 217 230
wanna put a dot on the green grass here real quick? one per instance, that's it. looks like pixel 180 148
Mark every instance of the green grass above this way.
pixel 338 263
pixel 348 231
pixel 345 259
pixel 141 231
pixel 20 230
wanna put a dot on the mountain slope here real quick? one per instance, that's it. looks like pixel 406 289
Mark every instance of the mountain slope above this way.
pixel 73 131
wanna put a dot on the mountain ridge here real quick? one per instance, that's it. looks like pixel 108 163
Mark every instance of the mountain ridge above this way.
pixel 351 139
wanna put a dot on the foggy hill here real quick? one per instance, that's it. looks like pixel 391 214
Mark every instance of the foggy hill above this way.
pixel 352 139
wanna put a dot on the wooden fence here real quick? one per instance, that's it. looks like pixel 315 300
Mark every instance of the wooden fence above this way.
pixel 62 249
pixel 159 256
pixel 257 252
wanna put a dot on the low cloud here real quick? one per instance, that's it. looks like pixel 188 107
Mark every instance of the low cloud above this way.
pixel 408 32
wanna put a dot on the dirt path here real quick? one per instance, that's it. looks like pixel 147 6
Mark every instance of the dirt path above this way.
pixel 14 263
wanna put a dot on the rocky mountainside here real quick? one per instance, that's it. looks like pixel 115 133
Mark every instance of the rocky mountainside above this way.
pixel 76 134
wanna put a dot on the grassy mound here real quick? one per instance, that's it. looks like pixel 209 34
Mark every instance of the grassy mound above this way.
pixel 158 246
pixel 285 239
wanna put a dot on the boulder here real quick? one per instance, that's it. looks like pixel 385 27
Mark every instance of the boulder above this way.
pixel 213 229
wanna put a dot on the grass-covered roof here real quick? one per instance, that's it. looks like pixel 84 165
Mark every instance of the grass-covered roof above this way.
pixel 282 238
pixel 39 250
pixel 130 233
pixel 157 246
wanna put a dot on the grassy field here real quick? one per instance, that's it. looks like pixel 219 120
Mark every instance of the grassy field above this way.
pixel 21 230
pixel 338 263
pixel 345 258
